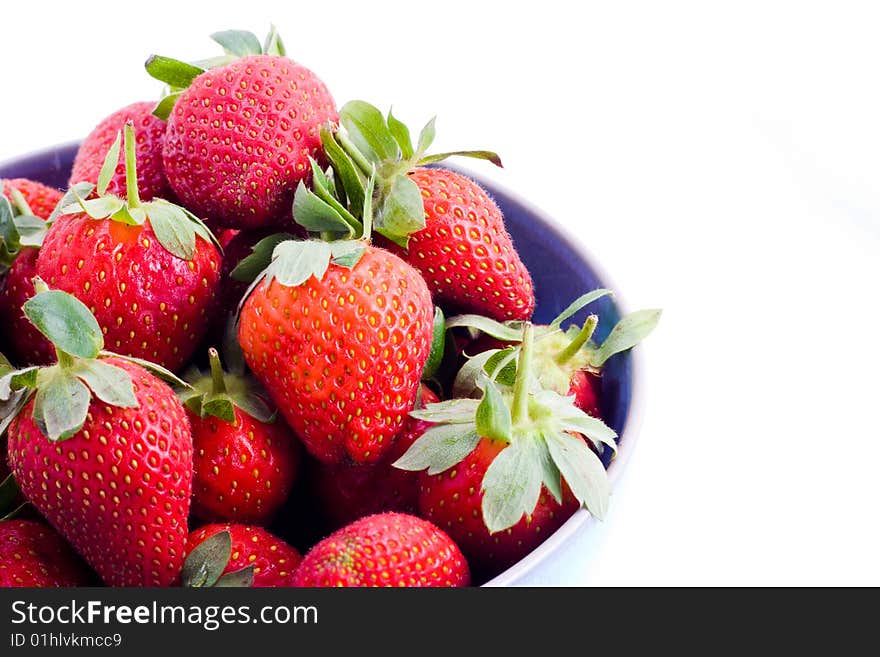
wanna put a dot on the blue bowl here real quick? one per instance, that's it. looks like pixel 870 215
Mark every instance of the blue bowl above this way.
pixel 561 271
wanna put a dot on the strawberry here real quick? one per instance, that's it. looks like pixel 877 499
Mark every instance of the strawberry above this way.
pixel 40 199
pixel 101 448
pixel 504 471
pixel 338 333
pixel 32 554
pixel 147 270
pixel 25 206
pixel 347 492
pixel 240 136
pixel 245 462
pixel 453 500
pixel 150 132
pixel 238 555
pixel 439 221
pixel 387 549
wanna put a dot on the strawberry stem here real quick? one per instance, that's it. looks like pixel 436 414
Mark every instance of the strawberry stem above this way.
pixel 520 410
pixel 131 186
pixel 579 341
pixel 217 380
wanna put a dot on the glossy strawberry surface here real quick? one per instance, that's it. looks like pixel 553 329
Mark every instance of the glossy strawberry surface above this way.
pixel 387 549
pixel 149 303
pixel 119 489
pixel 342 356
pixel 239 138
pixel 32 554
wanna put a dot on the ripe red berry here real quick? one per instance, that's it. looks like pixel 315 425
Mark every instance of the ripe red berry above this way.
pixel 388 549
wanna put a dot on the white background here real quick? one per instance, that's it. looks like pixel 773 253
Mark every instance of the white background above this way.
pixel 720 162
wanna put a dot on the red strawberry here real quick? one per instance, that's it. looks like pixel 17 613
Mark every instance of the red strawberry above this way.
pixel 33 554
pixel 268 560
pixel 150 132
pixel 453 500
pixel 26 344
pixel 339 346
pixel 240 136
pixel 465 252
pixel 149 283
pixel 442 223
pixel 347 492
pixel 102 450
pixel 387 549
pixel 245 462
pixel 40 198
pixel 505 471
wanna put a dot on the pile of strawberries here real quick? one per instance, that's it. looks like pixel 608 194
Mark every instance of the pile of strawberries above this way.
pixel 386 405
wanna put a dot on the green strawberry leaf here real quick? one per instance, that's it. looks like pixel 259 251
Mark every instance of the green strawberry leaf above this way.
pixel 31 230
pixel 261 256
pixel 579 303
pixel 9 236
pixel 206 563
pixel 109 166
pixel 402 212
pixel 5 365
pixel 426 138
pixel 511 486
pixel 505 332
pixel 501 366
pixel 11 406
pixel 345 169
pixel 97 208
pixel 452 411
pixel 66 322
pixel 317 215
pixel 439 448
pixel 550 475
pixel 438 345
pixel 237 579
pixel 172 72
pixel 322 188
pixel 273 44
pixel 80 190
pixel 17 380
pixel 294 262
pixel 173 228
pixel 470 377
pixel 163 108
pixel 582 470
pixel 366 127
pixel 593 428
pixel 61 403
pixel 240 43
pixel 401 135
pixel 110 384
pixel 220 406
pixel 255 406
pixel 493 414
pixel 627 333
pixel 347 253
pixel 478 155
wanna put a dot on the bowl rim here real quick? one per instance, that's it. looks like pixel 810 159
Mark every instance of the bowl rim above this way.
pixel 513 575
pixel 633 420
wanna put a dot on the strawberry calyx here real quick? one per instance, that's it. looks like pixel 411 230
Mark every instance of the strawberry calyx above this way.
pixel 176 228
pixel 205 565
pixel 10 493
pixel 337 237
pixel 64 391
pixel 178 75
pixel 542 431
pixel 366 144
pixel 561 352
pixel 219 393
